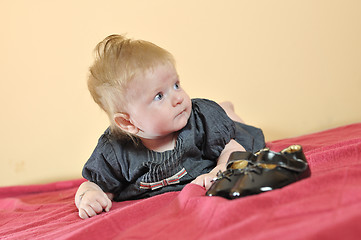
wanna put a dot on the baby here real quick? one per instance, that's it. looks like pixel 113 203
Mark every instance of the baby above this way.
pixel 159 139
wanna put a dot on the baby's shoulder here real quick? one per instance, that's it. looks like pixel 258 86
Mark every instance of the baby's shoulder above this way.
pixel 206 107
pixel 203 103
pixel 109 143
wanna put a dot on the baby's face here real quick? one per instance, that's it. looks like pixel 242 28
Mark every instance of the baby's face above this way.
pixel 157 104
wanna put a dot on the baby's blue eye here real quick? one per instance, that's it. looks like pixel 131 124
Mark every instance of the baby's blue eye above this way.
pixel 158 97
pixel 176 86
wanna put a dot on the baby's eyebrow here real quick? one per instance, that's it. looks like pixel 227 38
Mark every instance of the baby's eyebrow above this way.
pixel 176 79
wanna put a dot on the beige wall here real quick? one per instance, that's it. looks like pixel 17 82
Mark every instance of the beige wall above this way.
pixel 290 67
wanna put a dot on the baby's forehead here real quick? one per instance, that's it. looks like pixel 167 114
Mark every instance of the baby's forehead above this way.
pixel 155 69
pixel 157 65
pixel 153 77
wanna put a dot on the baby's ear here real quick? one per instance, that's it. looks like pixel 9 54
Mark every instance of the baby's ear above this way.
pixel 123 122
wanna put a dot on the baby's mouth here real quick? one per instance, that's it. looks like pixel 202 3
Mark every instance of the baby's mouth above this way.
pixel 180 113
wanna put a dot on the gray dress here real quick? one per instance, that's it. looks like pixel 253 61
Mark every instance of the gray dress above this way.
pixel 131 171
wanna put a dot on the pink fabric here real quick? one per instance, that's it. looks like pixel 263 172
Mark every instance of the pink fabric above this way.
pixel 325 206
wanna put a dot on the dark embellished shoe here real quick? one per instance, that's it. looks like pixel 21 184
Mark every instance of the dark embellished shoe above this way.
pixel 249 174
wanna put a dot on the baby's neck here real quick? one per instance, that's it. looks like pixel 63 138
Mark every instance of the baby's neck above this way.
pixel 161 144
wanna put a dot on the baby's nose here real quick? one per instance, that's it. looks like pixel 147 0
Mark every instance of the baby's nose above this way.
pixel 177 99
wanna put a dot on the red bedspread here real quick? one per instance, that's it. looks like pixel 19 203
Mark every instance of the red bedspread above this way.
pixel 325 206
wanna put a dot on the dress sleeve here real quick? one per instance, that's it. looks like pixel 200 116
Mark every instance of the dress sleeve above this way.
pixel 217 127
pixel 103 167
pixel 251 138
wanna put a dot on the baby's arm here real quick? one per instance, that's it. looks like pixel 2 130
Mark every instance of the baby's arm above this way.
pixel 91 200
pixel 204 180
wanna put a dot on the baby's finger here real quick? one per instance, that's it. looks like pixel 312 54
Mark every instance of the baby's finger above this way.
pixel 199 181
pixel 83 214
pixel 96 207
pixel 90 212
pixel 207 182
pixel 105 203
pixel 109 205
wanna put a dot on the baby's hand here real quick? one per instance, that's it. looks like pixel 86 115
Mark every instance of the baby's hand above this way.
pixel 93 202
pixel 205 180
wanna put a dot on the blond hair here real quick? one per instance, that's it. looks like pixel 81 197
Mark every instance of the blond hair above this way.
pixel 118 59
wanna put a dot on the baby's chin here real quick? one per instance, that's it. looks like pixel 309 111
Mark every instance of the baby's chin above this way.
pixel 182 124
